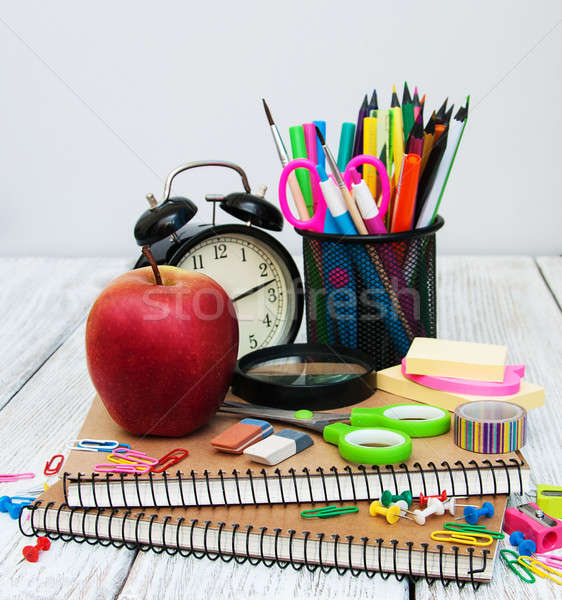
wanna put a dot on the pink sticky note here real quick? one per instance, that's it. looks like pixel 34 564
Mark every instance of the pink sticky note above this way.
pixel 510 385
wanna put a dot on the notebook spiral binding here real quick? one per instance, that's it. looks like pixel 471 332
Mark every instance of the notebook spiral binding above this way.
pixel 269 480
pixel 227 555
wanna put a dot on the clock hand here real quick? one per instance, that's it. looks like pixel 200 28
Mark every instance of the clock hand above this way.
pixel 252 290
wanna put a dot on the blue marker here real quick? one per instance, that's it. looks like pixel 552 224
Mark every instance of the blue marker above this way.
pixel 320 156
pixel 336 205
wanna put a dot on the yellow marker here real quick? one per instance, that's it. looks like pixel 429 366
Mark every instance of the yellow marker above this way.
pixel 370 147
pixel 470 539
pixel 397 140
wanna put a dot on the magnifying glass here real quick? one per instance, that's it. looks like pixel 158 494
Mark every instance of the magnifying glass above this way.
pixel 304 376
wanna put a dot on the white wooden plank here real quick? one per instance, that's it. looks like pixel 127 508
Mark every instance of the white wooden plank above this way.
pixel 551 269
pixel 504 300
pixel 42 300
pixel 150 576
pixel 47 412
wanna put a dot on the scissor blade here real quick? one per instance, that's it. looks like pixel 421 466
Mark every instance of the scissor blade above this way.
pixel 315 423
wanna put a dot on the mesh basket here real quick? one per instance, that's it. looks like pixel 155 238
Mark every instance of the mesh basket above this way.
pixel 375 293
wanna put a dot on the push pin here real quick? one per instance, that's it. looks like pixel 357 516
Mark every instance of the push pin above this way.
pixel 14 509
pixel 388 497
pixel 31 553
pixel 472 515
pixel 434 507
pixel 451 505
pixel 525 546
pixel 423 499
pixel 392 513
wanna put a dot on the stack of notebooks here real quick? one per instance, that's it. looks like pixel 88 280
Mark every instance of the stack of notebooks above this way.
pixel 216 503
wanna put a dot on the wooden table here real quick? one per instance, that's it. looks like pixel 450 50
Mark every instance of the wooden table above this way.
pixel 45 393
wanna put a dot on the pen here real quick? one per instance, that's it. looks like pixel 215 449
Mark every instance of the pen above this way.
pixel 351 206
pixel 435 193
pixel 370 147
pixel 407 111
pixel 366 203
pixel 321 157
pixel 336 205
pixel 345 150
pixel 284 158
pixel 405 203
pixel 363 112
pixel 298 146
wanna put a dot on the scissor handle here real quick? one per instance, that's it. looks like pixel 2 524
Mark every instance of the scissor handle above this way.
pixel 316 222
pixel 367 159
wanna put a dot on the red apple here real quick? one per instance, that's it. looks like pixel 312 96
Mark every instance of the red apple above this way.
pixel 161 357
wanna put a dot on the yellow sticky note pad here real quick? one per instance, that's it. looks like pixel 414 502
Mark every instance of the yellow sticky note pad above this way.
pixel 392 381
pixel 464 360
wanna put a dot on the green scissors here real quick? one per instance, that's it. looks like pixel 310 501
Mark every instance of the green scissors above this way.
pixel 375 436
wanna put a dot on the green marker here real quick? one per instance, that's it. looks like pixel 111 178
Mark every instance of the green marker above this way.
pixel 345 150
pixel 298 147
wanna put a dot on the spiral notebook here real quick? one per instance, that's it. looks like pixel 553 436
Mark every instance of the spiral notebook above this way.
pixel 210 477
pixel 272 534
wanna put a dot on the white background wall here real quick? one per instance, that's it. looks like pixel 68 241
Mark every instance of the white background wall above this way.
pixel 99 101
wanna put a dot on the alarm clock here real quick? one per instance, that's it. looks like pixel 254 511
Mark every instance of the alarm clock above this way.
pixel 255 270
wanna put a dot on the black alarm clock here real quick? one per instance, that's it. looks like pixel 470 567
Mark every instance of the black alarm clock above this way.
pixel 254 269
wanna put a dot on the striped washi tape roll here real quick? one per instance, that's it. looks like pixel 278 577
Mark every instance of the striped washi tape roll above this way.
pixel 490 427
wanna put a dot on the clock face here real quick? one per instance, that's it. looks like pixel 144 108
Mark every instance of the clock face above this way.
pixel 258 282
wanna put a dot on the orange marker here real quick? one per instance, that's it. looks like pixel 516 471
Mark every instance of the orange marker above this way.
pixel 405 203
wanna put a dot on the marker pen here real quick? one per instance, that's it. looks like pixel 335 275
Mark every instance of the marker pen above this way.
pixel 336 205
pixel 366 203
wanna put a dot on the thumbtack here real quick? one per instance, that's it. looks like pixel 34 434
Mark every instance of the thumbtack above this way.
pixel 451 504
pixel 14 509
pixel 31 553
pixel 525 545
pixel 388 497
pixel 392 513
pixel 423 499
pixel 434 507
pixel 472 515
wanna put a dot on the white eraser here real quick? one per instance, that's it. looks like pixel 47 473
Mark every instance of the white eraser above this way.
pixel 278 447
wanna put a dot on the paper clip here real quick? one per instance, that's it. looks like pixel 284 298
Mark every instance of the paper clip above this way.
pixel 466 528
pixel 540 569
pixel 132 456
pixel 90 445
pixel 549 559
pixel 170 459
pixel 328 511
pixel 9 477
pixel 52 466
pixel 469 538
pixel 516 566
pixel 121 468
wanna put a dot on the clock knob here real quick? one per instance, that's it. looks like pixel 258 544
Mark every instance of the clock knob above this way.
pixel 254 209
pixel 163 220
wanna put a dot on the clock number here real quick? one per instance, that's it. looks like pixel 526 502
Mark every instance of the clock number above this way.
pixel 197 261
pixel 220 251
pixel 243 254
pixel 267 321
pixel 263 270
pixel 272 295
pixel 253 342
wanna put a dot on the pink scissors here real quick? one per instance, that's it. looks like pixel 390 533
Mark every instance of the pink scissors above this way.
pixel 331 221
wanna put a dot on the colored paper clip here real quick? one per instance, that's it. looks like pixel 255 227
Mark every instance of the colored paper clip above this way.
pixel 469 538
pixel 169 460
pixel 53 466
pixel 328 511
pixel 540 569
pixel 128 456
pixel 9 477
pixel 91 445
pixel 550 559
pixel 121 468
pixel 514 564
pixel 466 528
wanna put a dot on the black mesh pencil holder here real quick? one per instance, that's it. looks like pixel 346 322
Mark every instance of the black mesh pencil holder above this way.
pixel 372 292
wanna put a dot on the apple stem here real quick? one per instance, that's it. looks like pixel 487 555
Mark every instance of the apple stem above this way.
pixel 148 255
